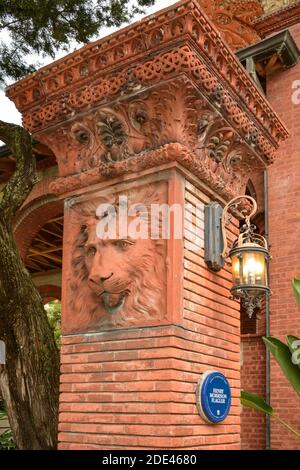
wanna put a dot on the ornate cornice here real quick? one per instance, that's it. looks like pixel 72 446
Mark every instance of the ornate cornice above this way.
pixel 234 19
pixel 173 109
pixel 102 68
pixel 167 79
pixel 280 17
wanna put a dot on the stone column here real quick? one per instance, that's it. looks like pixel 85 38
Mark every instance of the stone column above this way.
pixel 162 113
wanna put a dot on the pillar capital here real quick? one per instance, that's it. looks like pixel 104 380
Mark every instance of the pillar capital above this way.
pixel 168 82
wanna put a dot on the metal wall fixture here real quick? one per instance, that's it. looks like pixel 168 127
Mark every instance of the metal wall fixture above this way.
pixel 249 252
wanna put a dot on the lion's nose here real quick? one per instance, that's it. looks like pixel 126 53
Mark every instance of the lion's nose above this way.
pixel 100 278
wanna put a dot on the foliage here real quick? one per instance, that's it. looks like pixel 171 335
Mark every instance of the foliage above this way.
pixel 254 401
pixel 6 438
pixel 45 27
pixel 7 441
pixel 53 310
pixel 288 358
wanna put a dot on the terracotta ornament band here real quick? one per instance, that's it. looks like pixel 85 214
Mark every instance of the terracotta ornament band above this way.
pixel 281 17
pixel 169 79
pixel 58 90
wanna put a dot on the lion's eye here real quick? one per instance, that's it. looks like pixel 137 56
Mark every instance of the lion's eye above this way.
pixel 91 251
pixel 123 244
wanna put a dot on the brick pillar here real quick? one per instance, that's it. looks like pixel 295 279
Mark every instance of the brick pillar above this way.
pixel 161 112
pixel 133 384
pixel 284 195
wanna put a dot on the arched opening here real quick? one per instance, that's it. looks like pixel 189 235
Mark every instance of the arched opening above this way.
pixel 45 252
pixel 39 235
pixel 44 261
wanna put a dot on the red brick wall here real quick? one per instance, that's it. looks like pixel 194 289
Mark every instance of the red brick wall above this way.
pixel 210 313
pixel 284 189
pixel 253 379
pixel 136 389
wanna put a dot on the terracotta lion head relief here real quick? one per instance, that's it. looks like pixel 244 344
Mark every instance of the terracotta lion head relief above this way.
pixel 117 274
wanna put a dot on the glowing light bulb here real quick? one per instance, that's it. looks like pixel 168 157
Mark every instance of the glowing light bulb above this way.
pixel 253 270
pixel 249 270
pixel 250 265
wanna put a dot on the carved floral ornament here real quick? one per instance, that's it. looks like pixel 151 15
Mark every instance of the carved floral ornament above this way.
pixel 234 19
pixel 141 133
pixel 147 119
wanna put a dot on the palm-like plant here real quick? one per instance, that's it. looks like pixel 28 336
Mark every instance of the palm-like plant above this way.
pixel 288 357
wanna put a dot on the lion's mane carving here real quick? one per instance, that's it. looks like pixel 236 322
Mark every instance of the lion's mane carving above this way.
pixel 115 282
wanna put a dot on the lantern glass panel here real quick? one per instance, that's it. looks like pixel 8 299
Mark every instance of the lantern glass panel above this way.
pixel 250 268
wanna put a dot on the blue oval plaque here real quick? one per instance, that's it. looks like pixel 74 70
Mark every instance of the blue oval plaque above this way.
pixel 213 396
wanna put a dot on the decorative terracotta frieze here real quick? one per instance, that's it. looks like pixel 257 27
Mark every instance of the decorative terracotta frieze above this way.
pixel 271 5
pixel 226 177
pixel 101 69
pixel 167 79
pixel 167 65
pixel 234 20
pixel 282 16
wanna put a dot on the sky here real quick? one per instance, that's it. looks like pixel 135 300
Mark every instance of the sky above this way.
pixel 8 111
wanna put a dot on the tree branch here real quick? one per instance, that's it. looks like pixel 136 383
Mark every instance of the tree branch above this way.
pixel 22 181
pixel 9 23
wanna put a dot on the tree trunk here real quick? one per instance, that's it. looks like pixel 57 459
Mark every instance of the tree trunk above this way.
pixel 29 380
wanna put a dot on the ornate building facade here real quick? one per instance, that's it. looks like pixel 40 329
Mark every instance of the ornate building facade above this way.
pixel 196 103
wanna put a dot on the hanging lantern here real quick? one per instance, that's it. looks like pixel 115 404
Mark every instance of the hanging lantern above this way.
pixel 249 253
pixel 249 256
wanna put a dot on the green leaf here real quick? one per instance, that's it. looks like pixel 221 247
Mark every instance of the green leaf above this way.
pixel 254 401
pixel 283 357
pixel 296 290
